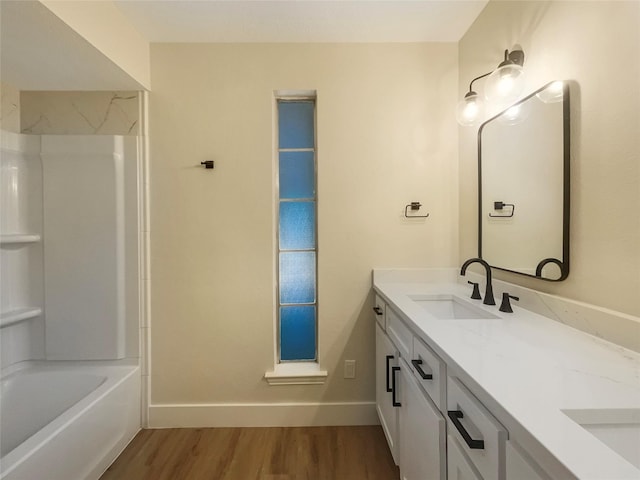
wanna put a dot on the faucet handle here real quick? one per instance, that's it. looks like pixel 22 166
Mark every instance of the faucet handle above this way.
pixel 476 290
pixel 505 306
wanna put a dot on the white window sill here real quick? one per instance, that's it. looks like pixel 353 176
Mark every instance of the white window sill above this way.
pixel 298 373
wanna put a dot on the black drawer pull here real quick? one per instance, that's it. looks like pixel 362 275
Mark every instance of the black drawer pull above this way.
pixel 389 358
pixel 378 310
pixel 393 387
pixel 455 416
pixel 416 364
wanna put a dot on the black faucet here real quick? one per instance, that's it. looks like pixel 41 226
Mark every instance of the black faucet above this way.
pixel 505 306
pixel 488 293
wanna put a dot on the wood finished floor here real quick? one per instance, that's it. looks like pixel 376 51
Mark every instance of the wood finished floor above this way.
pixel 282 453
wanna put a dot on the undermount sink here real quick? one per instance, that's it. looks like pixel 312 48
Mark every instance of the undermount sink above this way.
pixel 451 307
pixel 618 429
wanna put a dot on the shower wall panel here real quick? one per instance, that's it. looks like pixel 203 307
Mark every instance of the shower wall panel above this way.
pixel 84 245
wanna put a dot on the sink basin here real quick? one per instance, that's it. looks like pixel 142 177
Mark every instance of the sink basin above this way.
pixel 450 307
pixel 618 429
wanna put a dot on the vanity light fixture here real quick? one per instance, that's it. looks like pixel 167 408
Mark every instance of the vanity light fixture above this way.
pixel 504 86
pixel 506 83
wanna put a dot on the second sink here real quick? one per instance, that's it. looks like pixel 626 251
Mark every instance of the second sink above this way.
pixel 619 429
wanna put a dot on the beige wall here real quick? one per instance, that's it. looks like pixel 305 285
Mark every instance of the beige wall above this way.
pixel 597 45
pixel 80 113
pixel 9 108
pixel 108 30
pixel 387 136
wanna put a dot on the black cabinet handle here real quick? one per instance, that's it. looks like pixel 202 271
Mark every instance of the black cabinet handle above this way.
pixel 378 310
pixel 416 364
pixel 393 387
pixel 389 358
pixel 455 416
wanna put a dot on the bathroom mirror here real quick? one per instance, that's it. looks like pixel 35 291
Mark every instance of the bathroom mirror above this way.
pixel 523 185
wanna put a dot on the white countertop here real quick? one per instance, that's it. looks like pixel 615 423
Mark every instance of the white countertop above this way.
pixel 534 368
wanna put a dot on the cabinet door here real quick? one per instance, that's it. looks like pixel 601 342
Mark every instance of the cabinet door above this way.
pixel 422 432
pixel 386 359
pixel 520 467
pixel 458 465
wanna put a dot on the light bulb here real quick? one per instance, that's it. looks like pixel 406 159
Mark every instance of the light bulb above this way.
pixel 505 84
pixel 469 110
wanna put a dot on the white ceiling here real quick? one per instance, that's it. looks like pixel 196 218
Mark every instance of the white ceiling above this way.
pixel 302 20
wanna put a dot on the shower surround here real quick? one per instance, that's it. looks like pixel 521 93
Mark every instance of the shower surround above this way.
pixel 69 290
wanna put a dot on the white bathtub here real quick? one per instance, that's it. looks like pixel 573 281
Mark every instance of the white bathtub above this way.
pixel 66 420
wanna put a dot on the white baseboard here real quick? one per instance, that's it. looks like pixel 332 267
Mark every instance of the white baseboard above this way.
pixel 262 415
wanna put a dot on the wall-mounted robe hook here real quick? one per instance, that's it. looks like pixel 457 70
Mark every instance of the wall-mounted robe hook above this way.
pixel 414 206
pixel 207 163
pixel 500 206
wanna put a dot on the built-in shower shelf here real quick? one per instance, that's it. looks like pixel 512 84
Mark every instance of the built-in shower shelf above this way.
pixel 18 315
pixel 13 239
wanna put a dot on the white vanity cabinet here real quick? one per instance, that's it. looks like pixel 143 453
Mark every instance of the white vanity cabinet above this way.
pixel 436 428
pixel 413 424
pixel 386 360
pixel 525 395
pixel 422 432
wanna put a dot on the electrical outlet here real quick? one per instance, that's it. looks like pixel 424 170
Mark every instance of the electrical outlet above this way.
pixel 349 369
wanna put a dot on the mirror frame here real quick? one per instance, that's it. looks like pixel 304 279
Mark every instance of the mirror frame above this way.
pixel 566 183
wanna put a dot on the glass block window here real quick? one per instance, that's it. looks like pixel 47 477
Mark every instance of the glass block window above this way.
pixel 297 230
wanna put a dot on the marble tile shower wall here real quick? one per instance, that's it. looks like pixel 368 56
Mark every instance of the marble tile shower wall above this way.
pixel 79 113
pixel 9 108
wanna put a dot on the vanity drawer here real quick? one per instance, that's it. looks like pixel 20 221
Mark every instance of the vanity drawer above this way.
pixel 479 434
pixel 399 334
pixel 425 363
pixel 380 310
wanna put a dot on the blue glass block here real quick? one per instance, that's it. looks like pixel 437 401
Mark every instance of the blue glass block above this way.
pixel 297 277
pixel 297 225
pixel 298 333
pixel 297 175
pixel 295 125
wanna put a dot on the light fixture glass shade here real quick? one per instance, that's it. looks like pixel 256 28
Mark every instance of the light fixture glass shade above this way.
pixel 469 110
pixel 505 84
